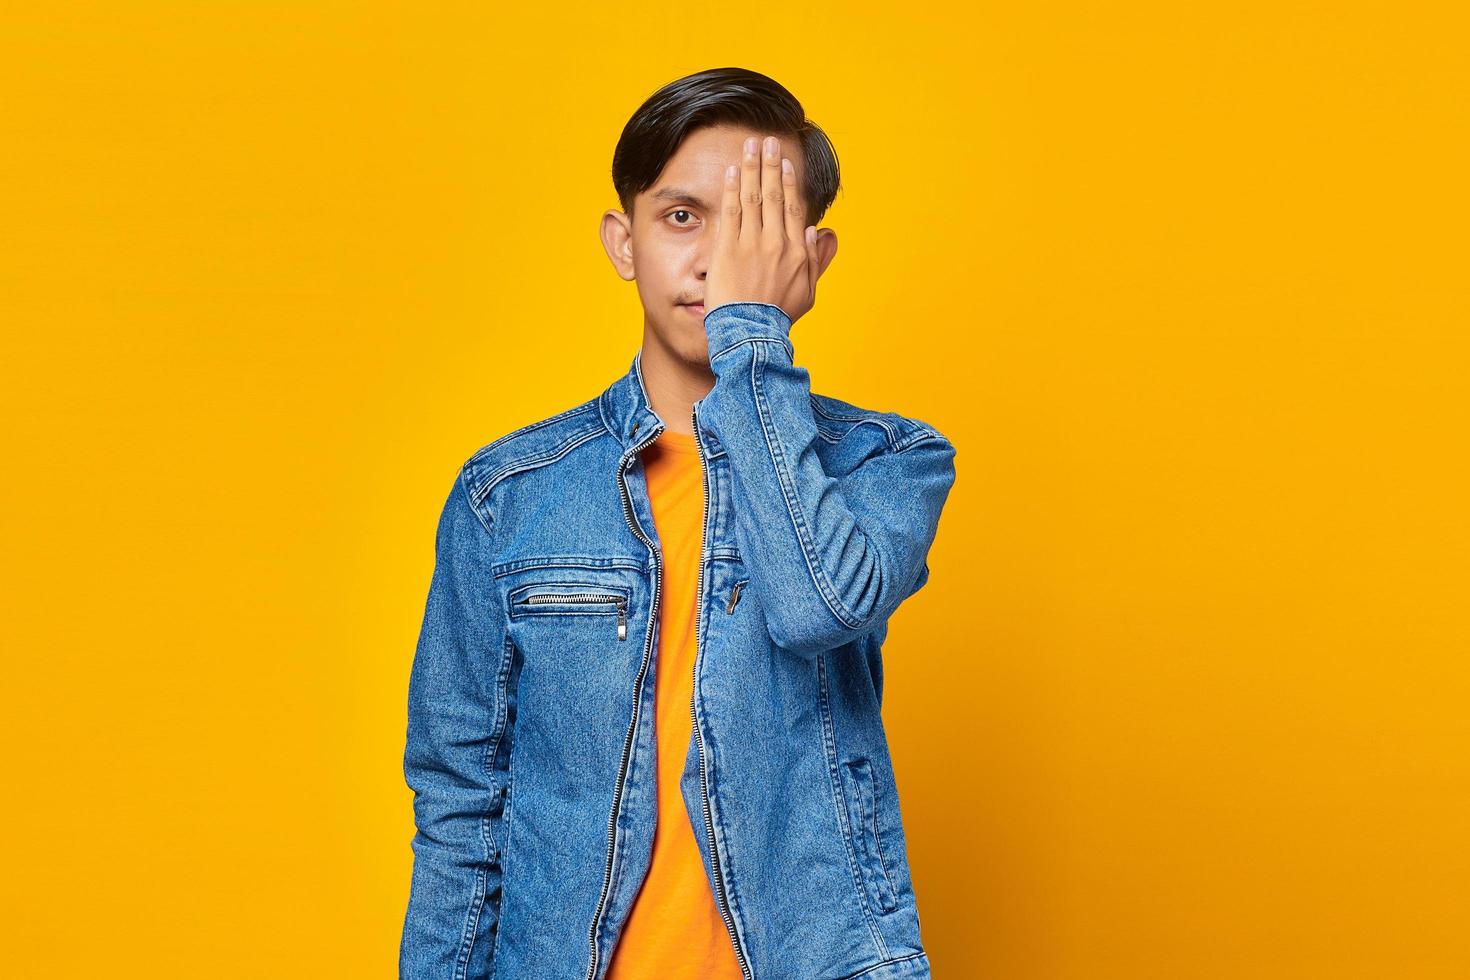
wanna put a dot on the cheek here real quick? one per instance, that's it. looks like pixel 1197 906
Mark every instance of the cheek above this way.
pixel 658 259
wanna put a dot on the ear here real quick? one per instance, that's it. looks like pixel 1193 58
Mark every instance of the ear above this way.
pixel 617 241
pixel 826 249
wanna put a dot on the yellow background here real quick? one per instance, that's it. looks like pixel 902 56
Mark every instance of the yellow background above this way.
pixel 1187 695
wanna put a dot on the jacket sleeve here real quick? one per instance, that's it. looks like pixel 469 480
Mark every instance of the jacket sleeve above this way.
pixel 455 717
pixel 832 558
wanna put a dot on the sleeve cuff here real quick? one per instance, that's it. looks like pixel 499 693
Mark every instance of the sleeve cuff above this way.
pixel 732 323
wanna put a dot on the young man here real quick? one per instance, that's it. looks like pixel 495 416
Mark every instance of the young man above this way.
pixel 644 732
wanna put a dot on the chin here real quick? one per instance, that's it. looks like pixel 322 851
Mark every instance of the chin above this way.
pixel 693 347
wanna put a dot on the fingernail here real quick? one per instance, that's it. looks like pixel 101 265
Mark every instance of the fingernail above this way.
pixel 770 146
pixel 785 165
pixel 749 145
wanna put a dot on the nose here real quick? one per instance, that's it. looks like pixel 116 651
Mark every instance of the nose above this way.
pixel 702 249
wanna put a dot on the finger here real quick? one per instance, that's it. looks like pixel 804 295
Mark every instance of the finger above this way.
pixel 772 200
pixel 729 231
pixel 750 192
pixel 795 232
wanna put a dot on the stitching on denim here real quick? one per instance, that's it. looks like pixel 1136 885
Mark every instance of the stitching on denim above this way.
pixel 793 504
pixel 533 426
pixel 839 797
pixel 889 439
pixel 602 411
pixel 471 926
pixel 885 964
pixel 506 865
pixel 502 676
pixel 502 569
pixel 470 499
pixel 880 419
pixel 916 437
pixel 860 798
pixel 885 895
pixel 884 420
pixel 790 351
pixel 477 899
pixel 878 839
pixel 487 832
pixel 903 431
pixel 534 461
pixel 817 406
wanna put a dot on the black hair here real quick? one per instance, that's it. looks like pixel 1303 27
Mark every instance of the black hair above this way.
pixel 721 96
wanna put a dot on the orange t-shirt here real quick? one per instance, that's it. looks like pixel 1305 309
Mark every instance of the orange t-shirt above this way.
pixel 675 931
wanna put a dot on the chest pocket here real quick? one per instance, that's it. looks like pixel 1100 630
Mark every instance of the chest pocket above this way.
pixel 572 596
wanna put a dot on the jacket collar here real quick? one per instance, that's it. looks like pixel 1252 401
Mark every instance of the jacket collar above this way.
pixel 626 409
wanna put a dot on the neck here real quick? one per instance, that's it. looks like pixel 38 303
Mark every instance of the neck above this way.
pixel 674 382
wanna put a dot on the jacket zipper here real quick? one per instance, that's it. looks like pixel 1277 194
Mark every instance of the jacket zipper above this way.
pixel 734 597
pixel 709 820
pixel 594 597
pixel 612 820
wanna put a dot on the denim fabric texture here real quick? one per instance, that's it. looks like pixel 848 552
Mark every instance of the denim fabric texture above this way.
pixel 530 741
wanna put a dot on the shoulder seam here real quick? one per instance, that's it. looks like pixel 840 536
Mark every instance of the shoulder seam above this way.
pixel 585 406
pixel 464 487
pixel 534 460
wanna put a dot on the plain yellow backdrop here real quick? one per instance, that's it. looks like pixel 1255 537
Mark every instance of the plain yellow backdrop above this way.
pixel 1187 694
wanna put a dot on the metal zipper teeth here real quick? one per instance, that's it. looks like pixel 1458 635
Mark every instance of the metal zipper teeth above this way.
pixel 709 820
pixel 612 820
pixel 573 597
pixel 589 597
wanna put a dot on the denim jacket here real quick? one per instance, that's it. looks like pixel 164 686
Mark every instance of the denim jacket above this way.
pixel 530 743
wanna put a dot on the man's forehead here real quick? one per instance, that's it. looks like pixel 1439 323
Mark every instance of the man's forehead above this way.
pixel 695 173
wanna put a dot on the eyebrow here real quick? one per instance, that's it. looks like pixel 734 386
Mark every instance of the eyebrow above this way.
pixel 681 195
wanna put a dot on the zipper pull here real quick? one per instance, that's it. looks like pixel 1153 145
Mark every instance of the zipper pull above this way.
pixel 622 620
pixel 734 597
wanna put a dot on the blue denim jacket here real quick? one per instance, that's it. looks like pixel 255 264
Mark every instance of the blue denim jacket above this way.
pixel 530 743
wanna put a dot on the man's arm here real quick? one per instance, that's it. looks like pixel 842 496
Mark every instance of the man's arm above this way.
pixel 455 717
pixel 832 559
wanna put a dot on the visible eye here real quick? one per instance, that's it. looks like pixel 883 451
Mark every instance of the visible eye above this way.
pixel 681 224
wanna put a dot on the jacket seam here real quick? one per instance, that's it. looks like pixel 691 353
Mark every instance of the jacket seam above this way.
pixel 470 499
pixel 884 965
pixel 878 838
pixel 585 406
pixel 488 845
pixel 509 810
pixel 472 924
pixel 873 418
pixel 754 340
pixel 502 683
pixel 534 461
pixel 865 797
pixel 835 791
pixel 918 430
pixel 917 437
pixel 793 505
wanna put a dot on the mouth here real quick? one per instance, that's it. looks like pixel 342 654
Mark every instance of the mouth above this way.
pixel 696 308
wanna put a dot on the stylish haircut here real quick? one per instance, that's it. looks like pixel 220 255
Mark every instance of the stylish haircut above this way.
pixel 721 96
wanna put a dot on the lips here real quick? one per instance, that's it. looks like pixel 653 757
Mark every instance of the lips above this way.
pixel 696 308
